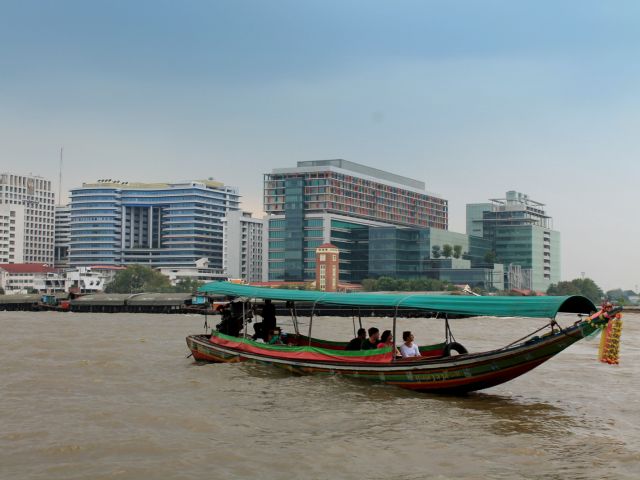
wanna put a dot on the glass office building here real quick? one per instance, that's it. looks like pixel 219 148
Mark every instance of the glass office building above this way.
pixel 521 234
pixel 162 225
pixel 408 253
pixel 335 201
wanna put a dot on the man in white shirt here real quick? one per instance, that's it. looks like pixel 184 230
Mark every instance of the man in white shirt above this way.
pixel 409 349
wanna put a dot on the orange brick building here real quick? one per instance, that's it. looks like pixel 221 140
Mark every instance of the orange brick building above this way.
pixel 327 267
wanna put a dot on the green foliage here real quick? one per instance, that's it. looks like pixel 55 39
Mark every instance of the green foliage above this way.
pixel 369 284
pixel 187 285
pixel 457 251
pixel 578 286
pixel 138 279
pixel 1 291
pixel 447 250
pixel 435 251
pixel 619 296
pixel 490 257
pixel 302 286
pixel 389 284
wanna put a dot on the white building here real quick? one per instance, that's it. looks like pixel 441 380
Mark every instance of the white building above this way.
pixel 35 195
pixel 11 233
pixel 85 280
pixel 200 272
pixel 62 237
pixel 18 278
pixel 243 246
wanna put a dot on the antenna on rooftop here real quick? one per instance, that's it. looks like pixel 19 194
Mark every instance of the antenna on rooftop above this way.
pixel 60 178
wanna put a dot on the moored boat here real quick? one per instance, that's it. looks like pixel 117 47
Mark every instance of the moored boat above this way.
pixel 435 370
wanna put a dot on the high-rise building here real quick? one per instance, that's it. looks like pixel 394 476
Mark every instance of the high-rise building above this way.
pixel 475 218
pixel 11 233
pixel 243 242
pixel 522 238
pixel 158 224
pixel 62 236
pixel 329 201
pixel 34 194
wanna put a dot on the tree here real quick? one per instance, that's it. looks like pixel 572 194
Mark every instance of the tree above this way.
pixel 447 250
pixel 1 291
pixel 409 285
pixel 369 284
pixel 138 279
pixel 187 285
pixel 577 286
pixel 387 284
pixel 490 257
pixel 457 251
pixel 435 251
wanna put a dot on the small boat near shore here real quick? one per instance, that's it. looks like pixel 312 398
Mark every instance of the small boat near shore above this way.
pixel 436 370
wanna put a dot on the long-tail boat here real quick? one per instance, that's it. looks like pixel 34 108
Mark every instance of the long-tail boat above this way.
pixel 436 370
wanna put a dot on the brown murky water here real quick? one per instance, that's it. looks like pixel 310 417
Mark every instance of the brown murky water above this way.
pixel 113 396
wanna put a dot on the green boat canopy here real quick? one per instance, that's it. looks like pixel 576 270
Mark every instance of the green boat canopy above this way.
pixel 493 306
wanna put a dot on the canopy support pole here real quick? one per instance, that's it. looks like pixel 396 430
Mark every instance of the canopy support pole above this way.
pixel 353 317
pixel 393 349
pixel 294 317
pixel 359 317
pixel 244 318
pixel 311 321
pixel 448 335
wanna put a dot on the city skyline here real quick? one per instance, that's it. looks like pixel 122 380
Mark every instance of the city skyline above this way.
pixel 536 97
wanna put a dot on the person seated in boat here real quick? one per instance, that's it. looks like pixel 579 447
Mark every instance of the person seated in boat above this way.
pixel 371 343
pixel 356 343
pixel 274 337
pixel 268 323
pixel 233 316
pixel 386 340
pixel 409 349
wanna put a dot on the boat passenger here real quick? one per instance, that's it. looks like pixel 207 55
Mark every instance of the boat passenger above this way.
pixel 356 343
pixel 409 349
pixel 274 337
pixel 371 343
pixel 268 323
pixel 231 323
pixel 386 340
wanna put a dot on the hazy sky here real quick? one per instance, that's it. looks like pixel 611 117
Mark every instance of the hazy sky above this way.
pixel 473 97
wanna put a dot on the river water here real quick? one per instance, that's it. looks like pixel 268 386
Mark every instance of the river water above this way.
pixel 113 396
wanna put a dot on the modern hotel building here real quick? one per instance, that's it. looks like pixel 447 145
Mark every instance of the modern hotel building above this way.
pixel 27 203
pixel 335 201
pixel 159 224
